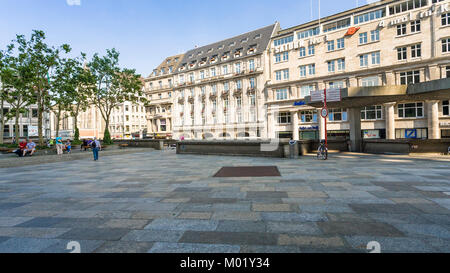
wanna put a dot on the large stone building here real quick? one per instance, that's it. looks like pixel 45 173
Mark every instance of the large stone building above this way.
pixel 159 91
pixel 389 60
pixel 219 88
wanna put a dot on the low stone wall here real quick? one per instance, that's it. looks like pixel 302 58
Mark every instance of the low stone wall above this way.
pixel 406 146
pixel 333 145
pixel 233 148
pixel 157 144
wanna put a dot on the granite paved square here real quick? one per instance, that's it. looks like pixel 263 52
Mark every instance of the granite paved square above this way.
pixel 162 202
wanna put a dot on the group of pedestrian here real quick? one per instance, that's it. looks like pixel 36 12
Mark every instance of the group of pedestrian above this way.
pixel 26 148
pixel 60 146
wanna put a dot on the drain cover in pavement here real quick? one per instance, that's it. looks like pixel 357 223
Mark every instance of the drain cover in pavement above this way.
pixel 248 171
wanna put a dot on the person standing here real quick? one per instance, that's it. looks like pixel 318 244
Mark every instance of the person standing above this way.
pixel 59 145
pixel 96 146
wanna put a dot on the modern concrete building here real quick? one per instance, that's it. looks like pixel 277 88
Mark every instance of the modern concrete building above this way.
pixel 219 88
pixel 159 91
pixel 390 61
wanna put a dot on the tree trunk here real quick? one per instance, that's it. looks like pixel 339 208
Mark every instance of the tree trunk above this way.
pixel 16 129
pixel 58 118
pixel 40 119
pixel 2 121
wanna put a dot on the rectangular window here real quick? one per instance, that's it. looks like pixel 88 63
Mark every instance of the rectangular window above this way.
pixel 416 51
pixel 337 114
pixel 277 58
pixel 364 60
pixel 401 53
pixel 213 72
pixel 225 69
pixel 341 43
pixel 239 84
pixel 331 66
pixel 278 75
pixel 410 77
pixel 445 108
pixel 308 33
pixel 284 118
pixel 341 64
pixel 410 110
pixel 226 86
pixel 252 83
pixel 34 113
pixel 401 29
pixel 311 50
pixel 420 133
pixel 282 94
pixel 375 35
pixel 445 45
pixel 363 38
pixel 370 81
pixel 302 51
pixel 306 90
pixel 330 45
pixel 415 26
pixel 286 56
pixel 251 65
pixel 408 5
pixel 445 19
pixel 286 74
pixel 308 116
pixel 366 17
pixel 302 71
pixel 336 85
pixel 375 58
pixel 447 71
pixel 312 69
pixel 238 68
pixel 283 41
pixel 371 112
pixel 202 74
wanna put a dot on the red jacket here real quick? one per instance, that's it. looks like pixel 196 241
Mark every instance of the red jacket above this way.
pixel 22 145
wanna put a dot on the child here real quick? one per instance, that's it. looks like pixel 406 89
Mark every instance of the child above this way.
pixel 68 147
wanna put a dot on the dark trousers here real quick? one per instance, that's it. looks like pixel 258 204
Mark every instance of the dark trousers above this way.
pixel 95 151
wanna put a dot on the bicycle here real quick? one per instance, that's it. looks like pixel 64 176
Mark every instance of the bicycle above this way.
pixel 322 152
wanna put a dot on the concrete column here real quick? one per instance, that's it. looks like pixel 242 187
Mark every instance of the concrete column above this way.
pixel 354 118
pixel 433 119
pixel 389 115
pixel 158 125
pixel 295 129
pixel 270 126
pixel 321 122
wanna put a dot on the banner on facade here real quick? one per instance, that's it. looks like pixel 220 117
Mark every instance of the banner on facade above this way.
pixel 333 95
pixel 33 131
pixel 371 134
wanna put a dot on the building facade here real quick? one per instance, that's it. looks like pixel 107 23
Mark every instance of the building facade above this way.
pixel 27 120
pixel 159 89
pixel 382 49
pixel 219 88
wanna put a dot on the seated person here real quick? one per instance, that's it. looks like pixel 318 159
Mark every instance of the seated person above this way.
pixel 68 146
pixel 22 147
pixel 29 148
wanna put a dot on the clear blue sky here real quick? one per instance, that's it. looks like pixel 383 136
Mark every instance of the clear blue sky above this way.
pixel 147 31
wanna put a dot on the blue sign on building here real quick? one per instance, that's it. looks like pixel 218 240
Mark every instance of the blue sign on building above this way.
pixel 299 103
pixel 410 133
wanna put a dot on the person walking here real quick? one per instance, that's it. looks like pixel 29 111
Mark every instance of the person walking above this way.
pixel 96 146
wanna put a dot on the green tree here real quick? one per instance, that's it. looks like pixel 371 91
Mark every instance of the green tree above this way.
pixel 41 59
pixel 113 86
pixel 5 72
pixel 63 88
pixel 85 81
pixel 17 83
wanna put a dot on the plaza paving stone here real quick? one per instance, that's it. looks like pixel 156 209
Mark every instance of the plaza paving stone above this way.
pixel 161 202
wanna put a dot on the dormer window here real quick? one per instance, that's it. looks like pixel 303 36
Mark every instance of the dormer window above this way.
pixel 200 53
pixel 244 40
pixel 221 47
pixel 258 36
pixel 237 52
pixel 232 44
pixel 210 50
pixel 226 55
pixel 190 56
pixel 252 49
pixel 213 59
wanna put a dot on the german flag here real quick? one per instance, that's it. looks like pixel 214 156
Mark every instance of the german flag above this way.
pixel 352 31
